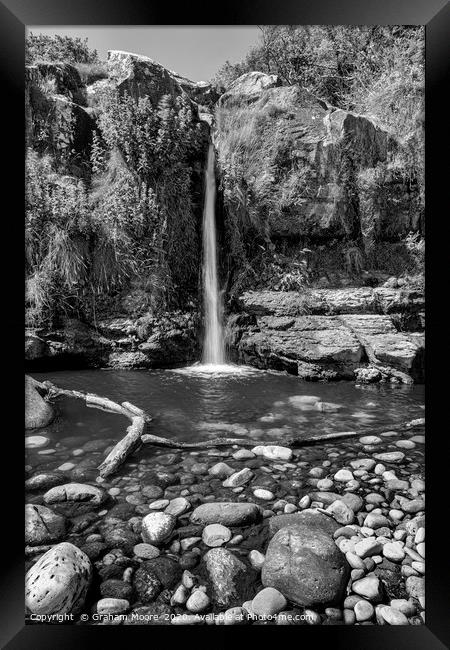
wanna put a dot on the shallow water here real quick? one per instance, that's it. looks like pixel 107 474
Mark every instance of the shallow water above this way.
pixel 196 405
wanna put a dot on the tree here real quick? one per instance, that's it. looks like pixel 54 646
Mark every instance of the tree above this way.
pixel 57 48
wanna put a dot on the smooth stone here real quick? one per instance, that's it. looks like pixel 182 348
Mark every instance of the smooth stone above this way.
pixel 268 602
pixel 243 454
pixel 420 535
pixel 369 587
pixel 66 467
pixel 393 551
pixel 42 525
pixel 256 559
pixel 216 535
pixel 354 560
pixel 36 442
pixel 363 463
pixel 180 595
pixel 227 513
pixel 264 495
pixel 390 456
pixel 197 602
pixel 370 440
pixel 240 478
pixel 77 492
pixel 160 504
pixel 392 616
pixel 146 551
pixel 363 610
pixel 157 527
pixel 112 606
pixel 58 582
pixel 221 470
pixel 375 520
pixel 273 452
pixel 178 507
pixel 406 607
pixel 152 491
pixel 343 475
pixel 341 512
pixel 324 484
pixel 368 547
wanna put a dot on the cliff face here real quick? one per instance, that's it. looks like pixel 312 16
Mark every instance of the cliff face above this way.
pixel 315 199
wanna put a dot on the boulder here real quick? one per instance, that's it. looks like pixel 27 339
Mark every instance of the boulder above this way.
pixel 38 412
pixel 157 527
pixel 58 582
pixel 249 86
pixel 42 526
pixel 305 565
pixel 310 518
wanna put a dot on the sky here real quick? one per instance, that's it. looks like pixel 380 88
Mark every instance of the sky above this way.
pixel 193 52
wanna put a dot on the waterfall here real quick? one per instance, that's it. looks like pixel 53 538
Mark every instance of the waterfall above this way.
pixel 213 343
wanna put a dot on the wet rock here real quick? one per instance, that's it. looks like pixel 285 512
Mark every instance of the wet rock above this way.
pixel 157 527
pixel 369 587
pixel 152 491
pixel 221 470
pixel 178 507
pixel 394 551
pixel 227 513
pixel 268 602
pixel 155 613
pixel 343 475
pixel 197 602
pixel 341 512
pixel 391 616
pixel 117 589
pixel 256 559
pixel 363 610
pixel 273 452
pixel 58 582
pixel 112 606
pixel 120 536
pixel 155 575
pixel 78 492
pixel 231 580
pixel 304 563
pixel 38 412
pixel 237 479
pixel 264 495
pixel 390 457
pixel 216 535
pixel 368 547
pixel 42 526
pixel 146 551
pixel 44 481
pixel 310 518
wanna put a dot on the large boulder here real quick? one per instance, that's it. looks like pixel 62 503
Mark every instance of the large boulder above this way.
pixel 305 565
pixel 38 412
pixel 249 86
pixel 58 582
pixel 310 518
pixel 76 492
pixel 42 526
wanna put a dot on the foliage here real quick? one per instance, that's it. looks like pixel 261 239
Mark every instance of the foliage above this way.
pixel 41 47
pixel 91 72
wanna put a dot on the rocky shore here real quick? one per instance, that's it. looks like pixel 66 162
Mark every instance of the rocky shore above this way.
pixel 332 534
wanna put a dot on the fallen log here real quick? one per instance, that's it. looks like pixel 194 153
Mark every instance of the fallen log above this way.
pixel 124 447
pixel 136 434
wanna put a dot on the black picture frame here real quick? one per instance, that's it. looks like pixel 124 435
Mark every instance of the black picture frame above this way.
pixel 435 15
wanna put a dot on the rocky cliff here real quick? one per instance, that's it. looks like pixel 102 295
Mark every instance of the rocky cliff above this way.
pixel 318 225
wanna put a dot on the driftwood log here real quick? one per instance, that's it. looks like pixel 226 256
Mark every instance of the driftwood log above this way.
pixel 136 433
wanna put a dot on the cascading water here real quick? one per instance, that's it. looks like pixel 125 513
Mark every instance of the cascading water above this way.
pixel 213 344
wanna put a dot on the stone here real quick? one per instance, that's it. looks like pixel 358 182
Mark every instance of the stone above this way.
pixel 243 454
pixel 115 588
pixel 237 479
pixel 273 452
pixel 76 492
pixel 353 501
pixel 304 563
pixel 368 547
pixel 44 481
pixel 227 514
pixel 343 475
pixel 375 520
pixel 324 484
pixel 160 504
pixel 178 507
pixel 180 595
pixel 393 551
pixel 152 491
pixel 36 442
pixel 369 587
pixel 233 616
pixel 354 560
pixel 157 527
pixel 112 606
pixel 198 601
pixel 221 470
pixel 38 412
pixel 256 559
pixel 392 616
pixel 363 463
pixel 42 526
pixel 146 551
pixel 155 575
pixel 58 582
pixel 268 602
pixel 231 580
pixel 341 512
pixel 363 610
pixel 406 607
pixel 264 495
pixel 311 518
pixel 216 535
pixel 390 457
pixel 370 440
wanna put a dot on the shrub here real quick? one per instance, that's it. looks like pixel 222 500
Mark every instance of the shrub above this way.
pixel 51 49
